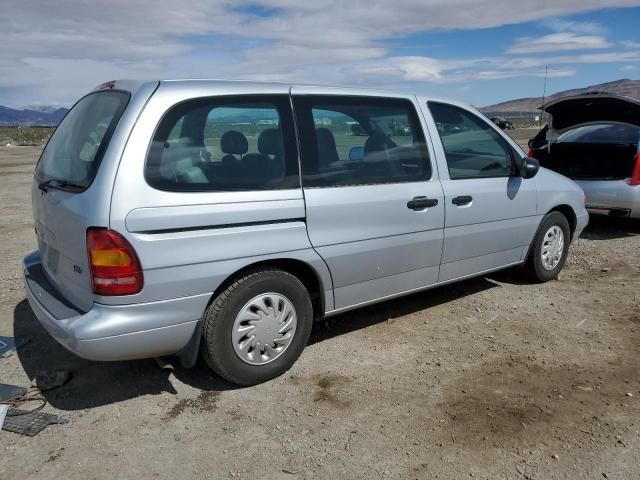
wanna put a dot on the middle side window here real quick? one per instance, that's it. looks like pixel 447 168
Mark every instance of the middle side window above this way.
pixel 360 141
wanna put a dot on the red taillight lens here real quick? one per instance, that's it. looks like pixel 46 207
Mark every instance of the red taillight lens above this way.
pixel 531 154
pixel 635 176
pixel 115 268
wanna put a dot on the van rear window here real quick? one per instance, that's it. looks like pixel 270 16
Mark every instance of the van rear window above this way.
pixel 76 148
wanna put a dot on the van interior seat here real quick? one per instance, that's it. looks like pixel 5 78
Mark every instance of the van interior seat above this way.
pixel 270 144
pixel 327 150
pixel 376 154
pixel 377 142
pixel 178 163
pixel 187 172
pixel 233 143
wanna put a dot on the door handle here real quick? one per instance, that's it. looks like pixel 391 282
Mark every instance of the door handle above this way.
pixel 421 203
pixel 462 200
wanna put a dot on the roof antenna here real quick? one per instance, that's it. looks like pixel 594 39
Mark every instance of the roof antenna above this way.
pixel 544 94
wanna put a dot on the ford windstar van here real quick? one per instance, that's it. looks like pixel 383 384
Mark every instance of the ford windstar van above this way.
pixel 222 218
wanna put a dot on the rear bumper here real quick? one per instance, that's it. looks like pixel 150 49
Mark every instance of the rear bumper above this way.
pixel 112 332
pixel 612 197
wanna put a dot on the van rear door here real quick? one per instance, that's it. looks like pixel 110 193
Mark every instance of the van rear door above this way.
pixel 72 188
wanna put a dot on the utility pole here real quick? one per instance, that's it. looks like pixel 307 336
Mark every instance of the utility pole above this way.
pixel 544 94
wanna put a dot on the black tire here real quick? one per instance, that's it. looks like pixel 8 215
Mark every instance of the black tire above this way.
pixel 217 347
pixel 534 267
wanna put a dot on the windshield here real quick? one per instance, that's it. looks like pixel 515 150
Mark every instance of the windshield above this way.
pixel 76 148
pixel 615 133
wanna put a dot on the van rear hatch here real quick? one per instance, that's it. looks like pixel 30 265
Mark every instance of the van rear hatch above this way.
pixel 73 185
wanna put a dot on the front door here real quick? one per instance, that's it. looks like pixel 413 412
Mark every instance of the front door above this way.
pixel 374 205
pixel 490 210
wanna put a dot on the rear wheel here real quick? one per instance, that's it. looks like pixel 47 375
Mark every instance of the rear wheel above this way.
pixel 257 327
pixel 550 247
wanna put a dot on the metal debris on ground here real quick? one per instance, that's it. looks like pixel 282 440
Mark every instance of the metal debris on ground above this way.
pixel 49 380
pixel 9 392
pixel 26 422
pixel 31 396
pixel 29 423
pixel 9 344
pixel 3 413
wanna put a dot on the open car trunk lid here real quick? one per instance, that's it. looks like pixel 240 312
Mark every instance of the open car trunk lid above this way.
pixel 579 157
pixel 568 112
pixel 73 182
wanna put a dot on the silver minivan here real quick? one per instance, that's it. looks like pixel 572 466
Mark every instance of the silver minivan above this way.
pixel 222 218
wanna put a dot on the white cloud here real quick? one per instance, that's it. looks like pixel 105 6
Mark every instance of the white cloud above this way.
pixel 558 42
pixel 58 50
pixel 630 44
pixel 411 69
pixel 501 74
pixel 587 58
pixel 426 69
pixel 565 25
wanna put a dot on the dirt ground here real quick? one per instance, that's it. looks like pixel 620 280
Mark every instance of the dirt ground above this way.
pixel 489 378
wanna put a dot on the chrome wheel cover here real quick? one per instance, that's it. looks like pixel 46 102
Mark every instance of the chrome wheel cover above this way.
pixel 552 248
pixel 264 328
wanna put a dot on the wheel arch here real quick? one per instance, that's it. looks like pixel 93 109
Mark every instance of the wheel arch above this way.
pixel 304 272
pixel 570 215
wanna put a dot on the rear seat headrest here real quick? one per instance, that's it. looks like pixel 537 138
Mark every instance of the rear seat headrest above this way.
pixel 234 142
pixel 270 142
pixel 325 136
pixel 377 142
pixel 327 150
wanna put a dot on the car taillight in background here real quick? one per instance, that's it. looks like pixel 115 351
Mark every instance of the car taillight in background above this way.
pixel 635 176
pixel 115 268
pixel 531 154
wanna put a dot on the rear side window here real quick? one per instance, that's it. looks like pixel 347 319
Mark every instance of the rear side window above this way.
pixel 360 141
pixel 76 148
pixel 472 147
pixel 225 144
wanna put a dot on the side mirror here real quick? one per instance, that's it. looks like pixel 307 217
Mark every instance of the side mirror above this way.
pixel 356 154
pixel 529 167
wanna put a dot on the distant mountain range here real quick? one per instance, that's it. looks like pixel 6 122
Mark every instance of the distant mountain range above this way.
pixel 34 116
pixel 525 106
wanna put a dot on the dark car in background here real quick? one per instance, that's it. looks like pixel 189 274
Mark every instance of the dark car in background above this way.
pixel 594 139
pixel 503 123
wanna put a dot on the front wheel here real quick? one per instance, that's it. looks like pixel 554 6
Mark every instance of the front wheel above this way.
pixel 550 248
pixel 257 327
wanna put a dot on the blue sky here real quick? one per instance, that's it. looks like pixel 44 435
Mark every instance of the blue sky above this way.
pixel 619 27
pixel 479 51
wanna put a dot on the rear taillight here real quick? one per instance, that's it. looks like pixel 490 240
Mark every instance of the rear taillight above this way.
pixel 635 176
pixel 115 268
pixel 531 154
